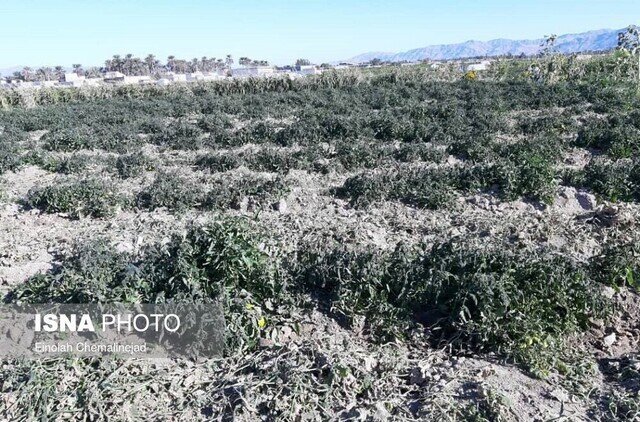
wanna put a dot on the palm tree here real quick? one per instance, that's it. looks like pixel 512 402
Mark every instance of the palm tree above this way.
pixel 26 74
pixel 127 67
pixel 77 69
pixel 58 72
pixel 194 65
pixel 228 60
pixel 44 74
pixel 93 72
pixel 116 63
pixel 180 66
pixel 152 63
pixel 171 63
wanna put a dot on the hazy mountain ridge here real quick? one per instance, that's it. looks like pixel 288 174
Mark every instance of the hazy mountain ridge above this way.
pixel 602 39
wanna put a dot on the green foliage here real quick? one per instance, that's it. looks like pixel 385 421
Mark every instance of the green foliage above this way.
pixel 520 303
pixel 180 135
pixel 424 187
pixel 613 180
pixel 170 190
pixel 219 162
pixel 619 262
pixel 517 303
pixel 357 284
pixel 134 164
pixel 618 138
pixel 221 260
pixel 71 139
pixel 77 197
pixel 9 156
pixel 231 192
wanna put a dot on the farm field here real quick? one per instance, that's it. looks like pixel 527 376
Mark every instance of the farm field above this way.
pixel 387 245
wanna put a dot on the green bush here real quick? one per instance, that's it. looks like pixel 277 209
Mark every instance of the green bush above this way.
pixel 424 188
pixel 618 140
pixel 132 165
pixel 223 259
pixel 357 284
pixel 409 153
pixel 69 139
pixel 9 157
pixel 170 190
pixel 180 135
pixel 518 303
pixel 618 264
pixel 229 193
pixel 521 303
pixel 219 162
pixel 613 180
pixel 77 197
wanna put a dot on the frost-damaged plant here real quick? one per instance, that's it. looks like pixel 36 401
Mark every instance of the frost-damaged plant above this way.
pixel 78 197
pixel 224 260
pixel 520 303
pixel 170 190
pixel 619 262
pixel 134 164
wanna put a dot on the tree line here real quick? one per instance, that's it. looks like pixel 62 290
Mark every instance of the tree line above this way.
pixel 136 66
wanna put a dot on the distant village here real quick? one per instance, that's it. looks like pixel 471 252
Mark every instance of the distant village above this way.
pixel 130 70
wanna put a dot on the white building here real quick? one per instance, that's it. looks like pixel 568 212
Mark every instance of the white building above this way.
pixel 73 77
pixel 118 77
pixel 93 81
pixel 45 84
pixel 308 70
pixel 252 71
pixel 475 67
pixel 73 80
pixel 113 77
pixel 176 77
pixel 195 76
pixel 137 80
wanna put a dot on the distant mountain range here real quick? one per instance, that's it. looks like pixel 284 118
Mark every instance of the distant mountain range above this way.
pixel 603 39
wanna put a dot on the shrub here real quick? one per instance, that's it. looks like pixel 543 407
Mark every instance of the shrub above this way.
pixel 227 193
pixel 521 170
pixel 409 153
pixel 77 197
pixel 517 302
pixel 533 177
pixel 170 190
pixel 613 180
pixel 618 264
pixel 356 155
pixel 222 259
pixel 9 156
pixel 132 165
pixel 69 139
pixel 180 135
pixel 619 140
pixel 276 160
pixel 424 188
pixel 356 282
pixel 268 159
pixel 219 162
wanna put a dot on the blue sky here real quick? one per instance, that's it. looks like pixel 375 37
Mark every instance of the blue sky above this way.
pixel 85 31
